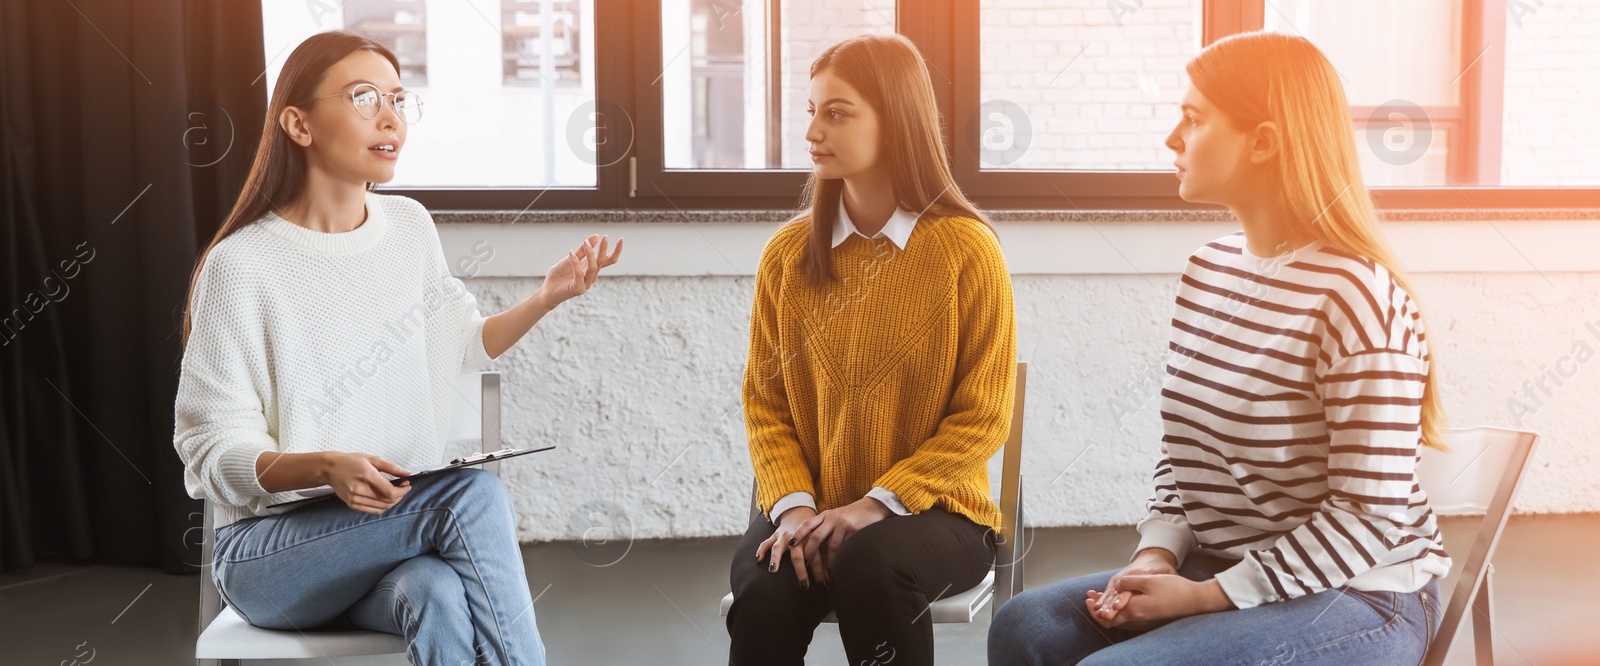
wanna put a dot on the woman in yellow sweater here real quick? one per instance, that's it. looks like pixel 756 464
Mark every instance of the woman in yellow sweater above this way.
pixel 880 378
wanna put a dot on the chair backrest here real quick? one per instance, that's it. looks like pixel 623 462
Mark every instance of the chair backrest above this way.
pixel 1012 546
pixel 1464 480
pixel 474 414
pixel 1479 474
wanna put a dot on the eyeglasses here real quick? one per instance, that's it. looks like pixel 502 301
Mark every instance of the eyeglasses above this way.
pixel 368 101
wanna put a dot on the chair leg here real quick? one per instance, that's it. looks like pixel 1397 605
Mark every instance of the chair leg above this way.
pixel 1483 619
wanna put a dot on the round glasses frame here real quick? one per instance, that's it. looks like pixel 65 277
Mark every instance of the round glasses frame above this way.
pixel 407 105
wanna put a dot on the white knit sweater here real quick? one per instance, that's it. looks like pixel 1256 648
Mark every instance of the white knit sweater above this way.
pixel 306 341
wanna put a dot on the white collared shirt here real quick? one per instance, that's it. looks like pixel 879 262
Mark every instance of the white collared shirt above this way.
pixel 897 229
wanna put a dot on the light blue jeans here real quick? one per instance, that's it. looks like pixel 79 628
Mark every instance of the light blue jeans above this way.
pixel 1049 625
pixel 442 568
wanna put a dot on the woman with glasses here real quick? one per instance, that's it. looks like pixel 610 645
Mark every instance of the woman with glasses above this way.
pixel 320 338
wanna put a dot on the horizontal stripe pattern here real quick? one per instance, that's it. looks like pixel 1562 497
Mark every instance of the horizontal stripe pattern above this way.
pixel 1291 409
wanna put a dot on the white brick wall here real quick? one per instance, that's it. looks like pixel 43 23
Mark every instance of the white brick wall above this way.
pixel 638 381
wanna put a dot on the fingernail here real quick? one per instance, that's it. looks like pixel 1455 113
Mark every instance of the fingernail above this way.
pixel 805 584
pixel 791 541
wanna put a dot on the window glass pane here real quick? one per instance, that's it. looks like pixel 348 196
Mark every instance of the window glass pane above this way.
pixel 1409 159
pixel 1552 92
pixel 507 85
pixel 399 25
pixel 524 23
pixel 1384 50
pixel 1400 64
pixel 1081 84
pixel 724 103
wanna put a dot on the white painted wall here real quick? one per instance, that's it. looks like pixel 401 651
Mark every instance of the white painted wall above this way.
pixel 638 381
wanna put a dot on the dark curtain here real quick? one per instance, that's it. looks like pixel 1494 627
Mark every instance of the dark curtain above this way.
pixel 126 130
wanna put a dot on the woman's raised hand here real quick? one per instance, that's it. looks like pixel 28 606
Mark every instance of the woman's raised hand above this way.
pixel 576 273
pixel 358 480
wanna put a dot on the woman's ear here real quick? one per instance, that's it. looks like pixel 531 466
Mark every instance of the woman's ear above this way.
pixel 1265 143
pixel 295 124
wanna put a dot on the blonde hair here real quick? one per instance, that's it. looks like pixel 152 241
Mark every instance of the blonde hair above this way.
pixel 892 78
pixel 1257 77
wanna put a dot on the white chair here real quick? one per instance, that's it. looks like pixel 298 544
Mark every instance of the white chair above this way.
pixel 1005 577
pixel 225 638
pixel 1479 475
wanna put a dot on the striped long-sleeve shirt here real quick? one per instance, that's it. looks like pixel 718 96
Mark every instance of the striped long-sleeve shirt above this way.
pixel 1291 411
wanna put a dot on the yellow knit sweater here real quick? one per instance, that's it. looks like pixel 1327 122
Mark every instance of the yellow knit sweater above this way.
pixel 899 373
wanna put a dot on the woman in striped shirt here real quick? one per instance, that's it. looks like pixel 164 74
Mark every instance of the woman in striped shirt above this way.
pixel 1286 524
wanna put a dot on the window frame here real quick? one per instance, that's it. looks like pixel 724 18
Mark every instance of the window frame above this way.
pixel 628 48
pixel 1479 107
pixel 653 185
pixel 613 51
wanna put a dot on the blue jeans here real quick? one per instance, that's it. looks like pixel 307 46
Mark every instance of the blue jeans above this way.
pixel 1049 625
pixel 442 568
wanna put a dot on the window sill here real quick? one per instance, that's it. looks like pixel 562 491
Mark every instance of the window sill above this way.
pixel 587 216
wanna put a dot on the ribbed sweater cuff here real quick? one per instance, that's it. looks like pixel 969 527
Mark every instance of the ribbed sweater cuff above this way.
pixel 1246 584
pixel 237 469
pixel 776 480
pixel 1155 533
pixel 906 486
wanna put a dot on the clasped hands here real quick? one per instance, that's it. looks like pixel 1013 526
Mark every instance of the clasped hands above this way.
pixel 810 539
pixel 1149 593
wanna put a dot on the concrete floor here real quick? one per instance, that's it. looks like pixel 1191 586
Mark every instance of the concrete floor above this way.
pixel 658 604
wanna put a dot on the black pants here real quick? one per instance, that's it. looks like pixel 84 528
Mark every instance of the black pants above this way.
pixel 882 580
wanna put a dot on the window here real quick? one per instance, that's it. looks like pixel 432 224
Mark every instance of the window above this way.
pixel 529 57
pixel 735 98
pixel 701 103
pixel 1091 85
pixel 1082 84
pixel 507 95
pixel 1442 93
pixel 1551 92
pixel 399 25
pixel 1401 75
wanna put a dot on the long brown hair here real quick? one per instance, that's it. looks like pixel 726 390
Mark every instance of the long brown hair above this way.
pixel 1257 77
pixel 893 79
pixel 278 171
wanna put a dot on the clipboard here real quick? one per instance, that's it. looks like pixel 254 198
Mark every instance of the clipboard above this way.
pixel 320 493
